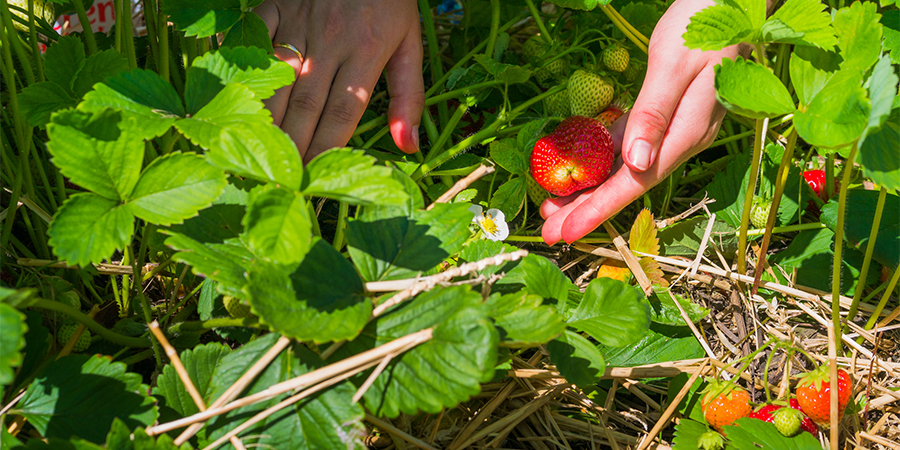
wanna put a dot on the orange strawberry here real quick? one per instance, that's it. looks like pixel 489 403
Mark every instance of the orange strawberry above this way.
pixel 814 395
pixel 724 402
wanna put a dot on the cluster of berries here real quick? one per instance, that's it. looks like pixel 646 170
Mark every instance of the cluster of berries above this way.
pixel 724 402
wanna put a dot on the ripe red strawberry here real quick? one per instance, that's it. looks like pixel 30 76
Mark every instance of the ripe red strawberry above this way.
pixel 577 155
pixel 724 402
pixel 615 110
pixel 814 395
pixel 615 58
pixel 816 180
pixel 589 94
pixel 764 413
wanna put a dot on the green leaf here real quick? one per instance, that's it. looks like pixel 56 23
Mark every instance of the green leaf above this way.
pixel 811 256
pixel 39 100
pixel 507 73
pixel 882 92
pixel 810 69
pixel 252 67
pixel 139 93
pixel 663 309
pixel 437 374
pixel 584 5
pixel 102 151
pixel 277 226
pixel 577 359
pixel 203 18
pixel 349 175
pixel 12 340
pixel 63 60
pixel 97 69
pixel 859 35
pixel 323 300
pixel 80 395
pixel 527 137
pixel 687 434
pixel 120 437
pixel 485 248
pixel 38 340
pixel 879 157
pixel 225 263
pixel 861 203
pixel 87 228
pixel 540 277
pixel 660 343
pixel 249 31
pixel 402 247
pixel 809 19
pixel 505 153
pixel 324 420
pixel 837 115
pixel 751 90
pixel 717 27
pixel 201 363
pixel 174 187
pixel 510 197
pixel 524 320
pixel 234 104
pixel 753 434
pixel 890 20
pixel 612 312
pixel 683 238
pixel 257 150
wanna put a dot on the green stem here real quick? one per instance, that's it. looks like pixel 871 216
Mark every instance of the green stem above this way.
pixel 884 299
pixel 870 248
pixel 162 63
pixel 86 26
pixel 448 130
pixel 758 144
pixel 434 56
pixel 79 316
pixel 247 322
pixel 150 19
pixel 495 24
pixel 545 34
pixel 138 357
pixel 839 246
pixel 780 182
pixel 128 34
pixel 145 309
pixel 789 228
pixel 343 210
pixel 32 34
pixel 468 90
pixel 829 175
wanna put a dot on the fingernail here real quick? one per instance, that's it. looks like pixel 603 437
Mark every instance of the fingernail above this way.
pixel 641 154
pixel 415 136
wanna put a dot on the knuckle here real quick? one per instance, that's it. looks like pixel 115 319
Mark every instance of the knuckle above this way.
pixel 651 118
pixel 304 102
pixel 341 113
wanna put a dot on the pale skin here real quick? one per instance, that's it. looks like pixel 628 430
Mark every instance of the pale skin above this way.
pixel 347 43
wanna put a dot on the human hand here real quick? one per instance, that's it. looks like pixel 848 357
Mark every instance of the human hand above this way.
pixel 674 117
pixel 345 46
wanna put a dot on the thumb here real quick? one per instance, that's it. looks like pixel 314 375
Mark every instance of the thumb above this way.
pixel 407 90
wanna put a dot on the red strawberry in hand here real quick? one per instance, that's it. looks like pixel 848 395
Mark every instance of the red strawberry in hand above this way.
pixel 814 395
pixel 724 402
pixel 577 155
pixel 764 413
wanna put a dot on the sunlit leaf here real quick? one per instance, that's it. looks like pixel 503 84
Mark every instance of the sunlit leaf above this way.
pixel 12 340
pixel 751 90
pixel 277 226
pixel 612 312
pixel 87 228
pixel 203 18
pixel 351 176
pixel 859 35
pixel 717 27
pixel 809 19
pixel 525 321
pixel 837 115
pixel 139 93
pixel 201 363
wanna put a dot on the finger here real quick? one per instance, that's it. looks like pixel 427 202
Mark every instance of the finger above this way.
pixel 309 96
pixel 407 90
pixel 556 210
pixel 654 106
pixel 268 12
pixel 278 102
pixel 346 103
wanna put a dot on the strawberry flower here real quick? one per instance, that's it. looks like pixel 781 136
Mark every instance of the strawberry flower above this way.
pixel 492 222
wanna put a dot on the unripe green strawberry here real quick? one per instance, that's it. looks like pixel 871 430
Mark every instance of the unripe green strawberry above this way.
pixel 631 72
pixel 557 105
pixel 588 94
pixel 711 440
pixel 536 193
pixel 236 307
pixel 551 71
pixel 42 9
pixel 65 332
pixel 534 47
pixel 759 214
pixel 787 421
pixel 615 58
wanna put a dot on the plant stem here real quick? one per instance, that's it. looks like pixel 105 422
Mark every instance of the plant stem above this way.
pixel 636 38
pixel 79 316
pixel 162 62
pixel 867 261
pixel 884 298
pixel 434 56
pixel 32 34
pixel 780 182
pixel 150 19
pixel 343 210
pixel 545 34
pixel 448 130
pixel 789 228
pixel 128 34
pixel 839 245
pixel 247 322
pixel 758 144
pixel 468 90
pixel 495 24
pixel 86 26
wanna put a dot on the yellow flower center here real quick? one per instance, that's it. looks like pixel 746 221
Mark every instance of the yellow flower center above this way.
pixel 488 224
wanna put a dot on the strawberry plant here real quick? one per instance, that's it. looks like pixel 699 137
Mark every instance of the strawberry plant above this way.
pixel 230 294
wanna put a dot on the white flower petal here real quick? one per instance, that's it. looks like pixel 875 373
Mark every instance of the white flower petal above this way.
pixel 478 211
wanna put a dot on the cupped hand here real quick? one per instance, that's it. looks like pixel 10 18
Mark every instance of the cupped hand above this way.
pixel 674 117
pixel 345 45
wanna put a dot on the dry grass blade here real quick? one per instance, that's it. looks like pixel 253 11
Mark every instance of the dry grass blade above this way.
pixel 394 431
pixel 458 187
pixel 673 405
pixel 630 260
